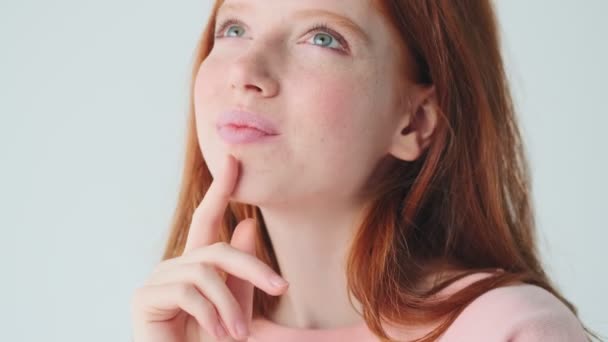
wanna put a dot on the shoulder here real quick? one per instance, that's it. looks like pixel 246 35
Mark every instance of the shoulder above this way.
pixel 518 313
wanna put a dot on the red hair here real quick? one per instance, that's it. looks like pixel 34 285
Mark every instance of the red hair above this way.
pixel 464 205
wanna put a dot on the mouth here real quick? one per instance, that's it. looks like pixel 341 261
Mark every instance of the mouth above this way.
pixel 240 127
pixel 235 134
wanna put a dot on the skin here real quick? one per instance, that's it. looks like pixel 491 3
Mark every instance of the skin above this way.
pixel 333 135
pixel 339 114
pixel 207 292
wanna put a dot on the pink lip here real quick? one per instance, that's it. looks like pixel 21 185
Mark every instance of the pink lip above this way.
pixel 240 127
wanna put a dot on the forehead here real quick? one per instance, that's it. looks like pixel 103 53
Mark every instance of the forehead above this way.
pixel 351 6
pixel 361 12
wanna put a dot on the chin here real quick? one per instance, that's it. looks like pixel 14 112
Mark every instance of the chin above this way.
pixel 253 187
pixel 250 194
pixel 257 179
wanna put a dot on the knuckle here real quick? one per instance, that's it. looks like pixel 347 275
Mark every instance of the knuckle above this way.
pixel 221 246
pixel 202 272
pixel 186 292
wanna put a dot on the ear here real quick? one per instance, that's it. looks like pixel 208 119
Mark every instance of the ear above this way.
pixel 417 124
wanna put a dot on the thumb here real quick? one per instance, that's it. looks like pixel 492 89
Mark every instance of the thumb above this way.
pixel 243 238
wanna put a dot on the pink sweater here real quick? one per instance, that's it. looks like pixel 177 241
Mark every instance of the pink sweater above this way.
pixel 514 313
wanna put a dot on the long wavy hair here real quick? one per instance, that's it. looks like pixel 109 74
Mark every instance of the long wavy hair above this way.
pixel 465 203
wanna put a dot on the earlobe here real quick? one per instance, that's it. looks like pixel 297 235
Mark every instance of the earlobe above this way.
pixel 414 133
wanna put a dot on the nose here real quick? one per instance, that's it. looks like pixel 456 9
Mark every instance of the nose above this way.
pixel 250 73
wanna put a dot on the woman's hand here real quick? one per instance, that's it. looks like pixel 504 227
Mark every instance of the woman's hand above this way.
pixel 205 294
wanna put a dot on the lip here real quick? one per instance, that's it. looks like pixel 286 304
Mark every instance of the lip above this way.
pixel 239 127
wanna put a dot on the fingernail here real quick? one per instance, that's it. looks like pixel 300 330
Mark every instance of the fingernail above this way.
pixel 220 331
pixel 278 281
pixel 241 329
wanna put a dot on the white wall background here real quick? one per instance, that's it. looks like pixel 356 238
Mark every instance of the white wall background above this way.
pixel 93 96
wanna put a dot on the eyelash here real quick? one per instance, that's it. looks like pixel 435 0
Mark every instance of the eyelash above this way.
pixel 317 27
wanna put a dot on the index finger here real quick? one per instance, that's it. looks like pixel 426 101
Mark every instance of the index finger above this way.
pixel 207 217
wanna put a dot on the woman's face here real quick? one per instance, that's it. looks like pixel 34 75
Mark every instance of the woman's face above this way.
pixel 331 95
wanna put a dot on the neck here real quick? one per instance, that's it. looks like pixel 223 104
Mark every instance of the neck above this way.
pixel 311 247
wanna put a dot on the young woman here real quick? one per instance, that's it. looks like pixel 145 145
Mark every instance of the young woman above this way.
pixel 354 171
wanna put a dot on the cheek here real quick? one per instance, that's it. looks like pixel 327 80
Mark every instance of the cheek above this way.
pixel 339 130
pixel 336 107
pixel 203 89
pixel 205 95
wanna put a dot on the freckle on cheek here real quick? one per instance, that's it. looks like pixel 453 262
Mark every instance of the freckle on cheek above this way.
pixel 336 108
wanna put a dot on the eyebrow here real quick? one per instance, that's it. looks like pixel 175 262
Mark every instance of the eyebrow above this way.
pixel 338 19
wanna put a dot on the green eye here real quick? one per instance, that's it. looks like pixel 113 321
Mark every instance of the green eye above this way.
pixel 326 36
pixel 323 39
pixel 228 31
